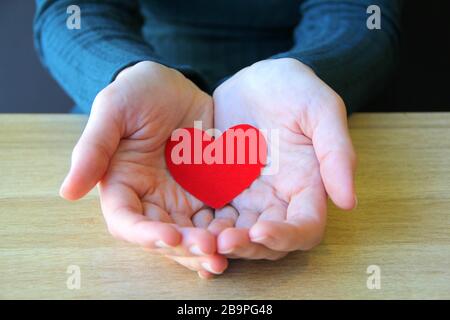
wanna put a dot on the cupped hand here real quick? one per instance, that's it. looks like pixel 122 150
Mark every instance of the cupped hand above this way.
pixel 122 149
pixel 285 211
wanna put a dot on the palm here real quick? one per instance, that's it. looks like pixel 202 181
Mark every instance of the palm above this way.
pixel 138 178
pixel 275 205
pixel 298 172
pixel 139 165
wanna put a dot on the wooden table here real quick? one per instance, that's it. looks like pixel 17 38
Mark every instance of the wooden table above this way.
pixel 402 224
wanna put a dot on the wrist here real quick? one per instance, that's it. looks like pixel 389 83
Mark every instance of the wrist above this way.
pixel 150 66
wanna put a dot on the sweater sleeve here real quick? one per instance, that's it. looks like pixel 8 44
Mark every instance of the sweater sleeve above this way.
pixel 334 40
pixel 85 60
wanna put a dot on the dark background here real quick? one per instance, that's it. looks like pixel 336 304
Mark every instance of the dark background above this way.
pixel 421 83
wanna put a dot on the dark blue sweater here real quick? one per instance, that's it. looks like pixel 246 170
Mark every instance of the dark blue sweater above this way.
pixel 209 40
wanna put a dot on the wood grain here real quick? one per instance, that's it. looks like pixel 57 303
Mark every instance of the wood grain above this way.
pixel 402 224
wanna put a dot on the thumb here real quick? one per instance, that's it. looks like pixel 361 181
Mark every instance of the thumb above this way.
pixel 334 150
pixel 94 149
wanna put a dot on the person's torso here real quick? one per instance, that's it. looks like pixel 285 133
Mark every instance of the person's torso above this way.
pixel 219 37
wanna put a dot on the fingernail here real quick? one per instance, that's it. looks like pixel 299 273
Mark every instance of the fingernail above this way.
pixel 208 267
pixel 195 249
pixel 228 251
pixel 62 187
pixel 162 244
pixel 202 276
pixel 61 192
pixel 258 239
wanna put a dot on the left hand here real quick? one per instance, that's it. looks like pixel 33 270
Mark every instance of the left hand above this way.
pixel 285 211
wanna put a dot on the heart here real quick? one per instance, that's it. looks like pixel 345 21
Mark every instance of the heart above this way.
pixel 216 171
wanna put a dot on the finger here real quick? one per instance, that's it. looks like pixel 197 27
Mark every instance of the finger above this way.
pixel 246 218
pixel 334 150
pixel 274 213
pixel 203 218
pixel 205 274
pixel 156 213
pixel 235 243
pixel 198 242
pixel 97 144
pixel 181 219
pixel 195 242
pixel 124 217
pixel 304 227
pixel 223 218
pixel 214 264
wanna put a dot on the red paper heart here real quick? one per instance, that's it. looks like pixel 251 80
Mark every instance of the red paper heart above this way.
pixel 215 171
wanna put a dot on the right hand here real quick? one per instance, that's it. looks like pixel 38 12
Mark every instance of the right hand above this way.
pixel 122 149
